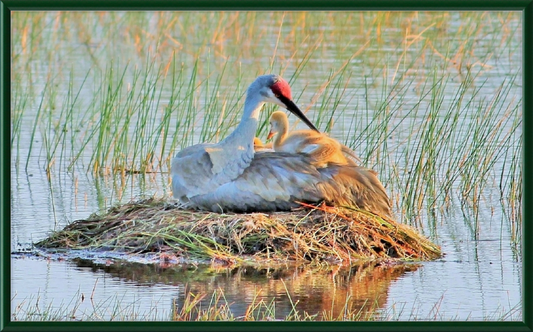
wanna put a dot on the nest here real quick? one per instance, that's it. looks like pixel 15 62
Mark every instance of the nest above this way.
pixel 332 234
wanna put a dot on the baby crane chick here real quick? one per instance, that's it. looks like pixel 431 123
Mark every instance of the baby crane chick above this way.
pixel 259 146
pixel 322 148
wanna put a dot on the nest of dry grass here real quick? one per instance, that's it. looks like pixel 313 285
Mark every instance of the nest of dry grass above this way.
pixel 323 234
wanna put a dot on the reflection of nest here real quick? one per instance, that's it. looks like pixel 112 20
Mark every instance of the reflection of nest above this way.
pixel 333 292
pixel 332 234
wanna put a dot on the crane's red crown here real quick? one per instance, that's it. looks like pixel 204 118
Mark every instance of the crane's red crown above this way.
pixel 282 88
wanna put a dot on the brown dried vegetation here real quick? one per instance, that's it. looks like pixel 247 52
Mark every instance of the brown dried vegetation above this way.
pixel 335 235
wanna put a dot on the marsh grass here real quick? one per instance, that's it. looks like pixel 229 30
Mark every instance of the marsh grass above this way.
pixel 431 101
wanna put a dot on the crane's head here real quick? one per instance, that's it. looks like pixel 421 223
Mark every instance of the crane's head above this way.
pixel 275 89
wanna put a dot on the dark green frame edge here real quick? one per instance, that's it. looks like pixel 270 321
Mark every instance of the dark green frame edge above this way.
pixel 6 6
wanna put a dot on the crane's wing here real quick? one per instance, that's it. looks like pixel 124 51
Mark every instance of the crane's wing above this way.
pixel 274 181
pixel 364 190
pixel 197 169
pixel 278 181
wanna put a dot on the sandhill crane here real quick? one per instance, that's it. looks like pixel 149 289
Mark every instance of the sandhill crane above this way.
pixel 229 176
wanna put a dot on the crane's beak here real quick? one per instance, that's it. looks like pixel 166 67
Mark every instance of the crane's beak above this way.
pixel 291 106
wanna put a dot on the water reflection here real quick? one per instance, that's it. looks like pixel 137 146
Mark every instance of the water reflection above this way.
pixel 328 291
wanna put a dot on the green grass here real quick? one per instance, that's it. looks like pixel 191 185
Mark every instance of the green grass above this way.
pixel 420 103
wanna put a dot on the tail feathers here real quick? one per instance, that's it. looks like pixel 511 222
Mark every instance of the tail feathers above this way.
pixel 357 187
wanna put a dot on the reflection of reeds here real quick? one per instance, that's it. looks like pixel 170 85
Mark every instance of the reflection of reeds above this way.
pixel 199 304
pixel 282 292
pixel 413 93
pixel 334 235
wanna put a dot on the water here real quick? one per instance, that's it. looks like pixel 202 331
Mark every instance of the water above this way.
pixel 479 278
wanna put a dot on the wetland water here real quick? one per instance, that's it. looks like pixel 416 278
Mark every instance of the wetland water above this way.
pixel 432 101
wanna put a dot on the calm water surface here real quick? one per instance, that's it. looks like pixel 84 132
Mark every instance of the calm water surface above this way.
pixel 480 277
pixel 486 270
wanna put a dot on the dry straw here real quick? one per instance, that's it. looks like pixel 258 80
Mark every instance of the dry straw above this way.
pixel 317 234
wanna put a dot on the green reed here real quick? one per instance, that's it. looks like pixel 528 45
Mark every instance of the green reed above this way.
pixel 411 93
pixel 20 100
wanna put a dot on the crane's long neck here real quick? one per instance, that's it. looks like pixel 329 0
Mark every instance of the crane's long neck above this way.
pixel 241 139
pixel 231 156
